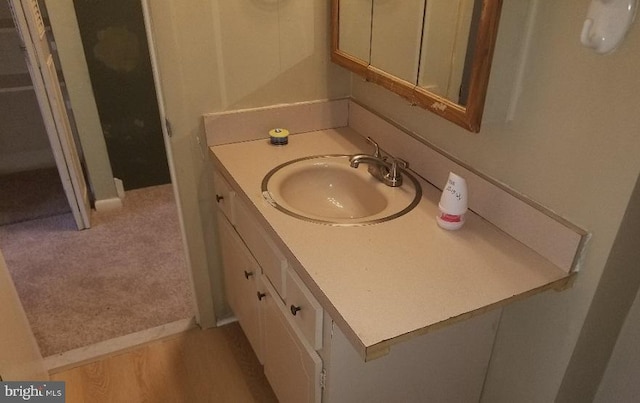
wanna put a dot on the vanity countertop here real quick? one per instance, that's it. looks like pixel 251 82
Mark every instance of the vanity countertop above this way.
pixel 387 282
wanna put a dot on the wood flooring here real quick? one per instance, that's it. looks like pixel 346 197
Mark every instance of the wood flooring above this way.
pixel 213 365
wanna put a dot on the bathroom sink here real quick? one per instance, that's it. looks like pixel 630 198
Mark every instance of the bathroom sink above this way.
pixel 325 189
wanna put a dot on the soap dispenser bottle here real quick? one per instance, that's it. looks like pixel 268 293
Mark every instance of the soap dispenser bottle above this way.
pixel 453 203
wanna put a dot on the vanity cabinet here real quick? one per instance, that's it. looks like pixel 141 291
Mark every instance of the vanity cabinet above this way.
pixel 307 357
pixel 282 324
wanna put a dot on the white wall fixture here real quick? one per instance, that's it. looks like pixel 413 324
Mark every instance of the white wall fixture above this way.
pixel 607 24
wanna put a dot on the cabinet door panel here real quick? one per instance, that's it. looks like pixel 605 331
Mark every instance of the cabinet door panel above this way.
pixel 292 366
pixel 242 277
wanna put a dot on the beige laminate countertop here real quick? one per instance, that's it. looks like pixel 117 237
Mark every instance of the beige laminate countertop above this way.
pixel 387 282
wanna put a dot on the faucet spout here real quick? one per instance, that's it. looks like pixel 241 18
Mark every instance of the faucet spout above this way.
pixel 356 159
pixel 379 168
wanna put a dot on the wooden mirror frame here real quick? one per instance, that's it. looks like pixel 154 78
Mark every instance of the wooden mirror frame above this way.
pixel 469 116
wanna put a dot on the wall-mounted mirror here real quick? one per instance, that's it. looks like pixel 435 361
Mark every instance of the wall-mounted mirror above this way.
pixel 435 53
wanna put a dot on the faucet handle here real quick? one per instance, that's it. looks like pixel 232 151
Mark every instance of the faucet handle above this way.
pixel 394 177
pixel 399 161
pixel 376 151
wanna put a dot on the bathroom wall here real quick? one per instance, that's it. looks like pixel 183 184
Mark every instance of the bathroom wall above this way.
pixel 620 382
pixel 573 146
pixel 612 322
pixel 221 55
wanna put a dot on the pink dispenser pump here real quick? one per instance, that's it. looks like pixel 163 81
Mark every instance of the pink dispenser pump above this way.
pixel 453 203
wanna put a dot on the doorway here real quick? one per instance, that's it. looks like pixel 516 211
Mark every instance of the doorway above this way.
pixel 112 271
pixel 115 46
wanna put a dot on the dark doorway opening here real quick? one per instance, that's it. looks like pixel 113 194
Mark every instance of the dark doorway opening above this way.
pixel 115 44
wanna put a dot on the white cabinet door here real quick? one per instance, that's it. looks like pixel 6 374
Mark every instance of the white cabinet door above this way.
pixel 292 367
pixel 241 277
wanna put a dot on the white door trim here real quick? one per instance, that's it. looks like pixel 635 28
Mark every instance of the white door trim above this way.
pixel 202 295
pixel 20 359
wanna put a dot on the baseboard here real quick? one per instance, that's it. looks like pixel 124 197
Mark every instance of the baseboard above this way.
pixel 226 321
pixel 84 355
pixel 113 203
pixel 108 204
pixel 119 187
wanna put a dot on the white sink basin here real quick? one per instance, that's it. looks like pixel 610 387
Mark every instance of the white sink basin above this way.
pixel 326 190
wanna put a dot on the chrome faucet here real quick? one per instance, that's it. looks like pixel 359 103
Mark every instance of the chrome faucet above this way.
pixel 380 168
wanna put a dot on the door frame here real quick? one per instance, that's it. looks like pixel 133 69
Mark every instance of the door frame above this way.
pixel 21 359
pixel 195 253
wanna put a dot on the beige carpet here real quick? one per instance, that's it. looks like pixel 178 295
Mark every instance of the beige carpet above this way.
pixel 124 274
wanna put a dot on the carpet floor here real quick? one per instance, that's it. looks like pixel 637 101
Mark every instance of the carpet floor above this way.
pixel 32 194
pixel 125 274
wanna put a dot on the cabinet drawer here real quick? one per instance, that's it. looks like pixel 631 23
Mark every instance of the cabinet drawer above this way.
pixel 272 261
pixel 304 310
pixel 224 196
